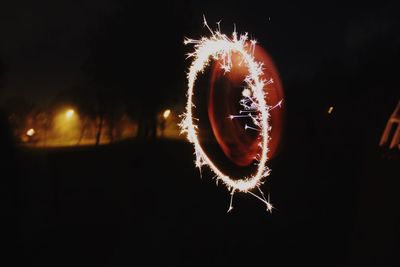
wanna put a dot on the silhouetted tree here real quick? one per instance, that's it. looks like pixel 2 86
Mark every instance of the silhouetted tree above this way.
pixel 82 100
pixel 134 63
pixel 17 109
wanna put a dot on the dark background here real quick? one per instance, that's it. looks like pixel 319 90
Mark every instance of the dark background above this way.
pixel 142 201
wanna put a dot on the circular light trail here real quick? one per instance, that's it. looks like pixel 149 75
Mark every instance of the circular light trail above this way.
pixel 219 47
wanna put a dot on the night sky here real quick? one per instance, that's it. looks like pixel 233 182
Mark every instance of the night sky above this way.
pixel 45 46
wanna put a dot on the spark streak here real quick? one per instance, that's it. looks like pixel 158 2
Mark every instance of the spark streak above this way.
pixel 220 47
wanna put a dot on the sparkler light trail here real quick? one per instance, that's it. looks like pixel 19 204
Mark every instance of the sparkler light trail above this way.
pixel 220 47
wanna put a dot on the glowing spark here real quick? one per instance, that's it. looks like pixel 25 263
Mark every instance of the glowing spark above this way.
pixel 270 81
pixel 330 110
pixel 267 202
pixel 246 93
pixel 166 113
pixel 30 132
pixel 251 128
pixel 277 105
pixel 239 116
pixel 269 205
pixel 230 203
pixel 220 47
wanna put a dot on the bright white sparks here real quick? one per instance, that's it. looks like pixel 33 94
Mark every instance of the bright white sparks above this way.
pixel 220 47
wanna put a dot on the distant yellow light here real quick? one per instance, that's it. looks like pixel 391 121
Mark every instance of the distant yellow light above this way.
pixel 330 110
pixel 30 132
pixel 166 113
pixel 69 113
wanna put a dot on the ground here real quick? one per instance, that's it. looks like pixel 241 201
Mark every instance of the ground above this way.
pixel 130 202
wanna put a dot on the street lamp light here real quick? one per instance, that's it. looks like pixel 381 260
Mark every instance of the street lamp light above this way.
pixel 30 132
pixel 69 113
pixel 166 113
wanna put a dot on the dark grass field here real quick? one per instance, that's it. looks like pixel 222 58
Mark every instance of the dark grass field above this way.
pixel 140 204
